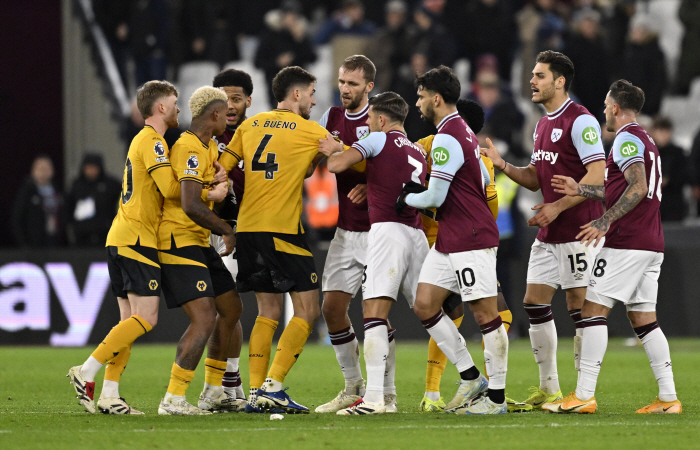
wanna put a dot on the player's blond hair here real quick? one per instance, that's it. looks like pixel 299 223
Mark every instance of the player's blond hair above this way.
pixel 150 93
pixel 203 97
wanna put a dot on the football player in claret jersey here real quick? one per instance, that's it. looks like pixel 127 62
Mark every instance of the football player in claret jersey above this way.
pixel 472 113
pixel 132 258
pixel 238 87
pixel 567 142
pixel 463 259
pixel 279 149
pixel 628 266
pixel 345 262
pixel 194 275
pixel 396 244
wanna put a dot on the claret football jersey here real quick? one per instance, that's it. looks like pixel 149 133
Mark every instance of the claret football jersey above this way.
pixel 349 128
pixel 566 140
pixel 639 229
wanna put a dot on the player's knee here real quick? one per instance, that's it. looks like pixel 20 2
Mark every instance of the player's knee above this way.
pixel 152 319
pixel 332 312
pixel 423 310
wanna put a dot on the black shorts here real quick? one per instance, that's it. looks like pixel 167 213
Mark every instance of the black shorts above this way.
pixel 454 300
pixel 275 263
pixel 193 272
pixel 133 268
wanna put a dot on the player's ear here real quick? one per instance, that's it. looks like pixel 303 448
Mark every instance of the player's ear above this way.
pixel 248 101
pixel 369 87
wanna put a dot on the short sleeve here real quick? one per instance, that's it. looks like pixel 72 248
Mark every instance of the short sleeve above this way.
pixel 627 150
pixel 447 156
pixel 190 163
pixel 372 145
pixel 233 153
pixel 324 119
pixel 586 137
pixel 155 154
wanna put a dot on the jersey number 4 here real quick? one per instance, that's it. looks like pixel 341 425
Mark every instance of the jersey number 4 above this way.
pixel 269 166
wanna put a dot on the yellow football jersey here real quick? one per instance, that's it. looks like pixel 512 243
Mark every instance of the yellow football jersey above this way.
pixel 277 148
pixel 192 160
pixel 431 226
pixel 141 202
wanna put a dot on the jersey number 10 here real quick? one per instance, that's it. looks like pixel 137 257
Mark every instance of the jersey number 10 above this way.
pixel 655 166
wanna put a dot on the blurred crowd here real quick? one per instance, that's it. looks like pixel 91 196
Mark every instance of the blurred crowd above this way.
pixel 606 40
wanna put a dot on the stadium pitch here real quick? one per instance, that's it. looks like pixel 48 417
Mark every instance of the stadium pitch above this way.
pixel 38 408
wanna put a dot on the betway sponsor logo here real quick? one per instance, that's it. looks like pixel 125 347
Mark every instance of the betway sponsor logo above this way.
pixel 541 155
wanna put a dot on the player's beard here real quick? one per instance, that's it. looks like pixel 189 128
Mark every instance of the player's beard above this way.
pixel 429 114
pixel 545 94
pixel 172 121
pixel 609 123
pixel 354 102
pixel 305 112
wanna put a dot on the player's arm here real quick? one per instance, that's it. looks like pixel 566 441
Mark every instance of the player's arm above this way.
pixel 233 153
pixel 524 176
pixel 441 174
pixel 169 187
pixel 329 145
pixel 191 192
pixel 635 192
pixel 491 194
pixel 314 163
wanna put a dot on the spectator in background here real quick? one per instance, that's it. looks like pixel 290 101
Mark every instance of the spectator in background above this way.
pixel 36 216
pixel 416 128
pixel 586 50
pixel 695 171
pixel 385 49
pixel 284 43
pixel 91 204
pixel 644 64
pixel 689 61
pixel 321 205
pixel 429 37
pixel 113 17
pixel 541 28
pixel 488 27
pixel 349 20
pixel 148 39
pixel 616 27
pixel 674 171
pixel 502 118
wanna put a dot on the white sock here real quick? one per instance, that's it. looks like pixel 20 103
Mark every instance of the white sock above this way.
pixel 448 339
pixel 212 391
pixel 228 381
pixel 656 346
pixel 271 385
pixel 496 357
pixel 110 389
pixel 594 342
pixel 347 352
pixel 376 351
pixel 432 396
pixel 390 371
pixel 232 364
pixel 90 368
pixel 544 346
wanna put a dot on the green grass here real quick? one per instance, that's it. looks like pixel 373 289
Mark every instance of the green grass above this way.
pixel 38 409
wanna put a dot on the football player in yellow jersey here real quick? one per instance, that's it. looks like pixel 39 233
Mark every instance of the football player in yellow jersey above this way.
pixel 131 248
pixel 473 114
pixel 278 148
pixel 194 275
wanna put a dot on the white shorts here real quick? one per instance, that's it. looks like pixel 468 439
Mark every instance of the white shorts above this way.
pixel 476 270
pixel 567 265
pixel 395 254
pixel 628 276
pixel 230 261
pixel 345 262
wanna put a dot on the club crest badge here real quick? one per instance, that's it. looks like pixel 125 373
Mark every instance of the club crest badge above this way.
pixel 556 134
pixel 362 132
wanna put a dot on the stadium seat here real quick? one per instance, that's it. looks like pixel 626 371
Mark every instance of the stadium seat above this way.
pixel 196 71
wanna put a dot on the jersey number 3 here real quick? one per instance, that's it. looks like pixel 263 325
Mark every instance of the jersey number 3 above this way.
pixel 269 166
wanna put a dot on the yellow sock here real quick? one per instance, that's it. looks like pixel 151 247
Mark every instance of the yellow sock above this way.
pixel 259 349
pixel 289 348
pixel 507 318
pixel 437 361
pixel 214 371
pixel 120 337
pixel 115 367
pixel 180 380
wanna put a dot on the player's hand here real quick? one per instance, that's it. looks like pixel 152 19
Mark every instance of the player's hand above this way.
pixel 546 215
pixel 593 232
pixel 329 145
pixel 491 152
pixel 358 194
pixel 565 185
pixel 409 188
pixel 220 176
pixel 230 242
pixel 218 192
pixel 422 149
pixel 400 204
